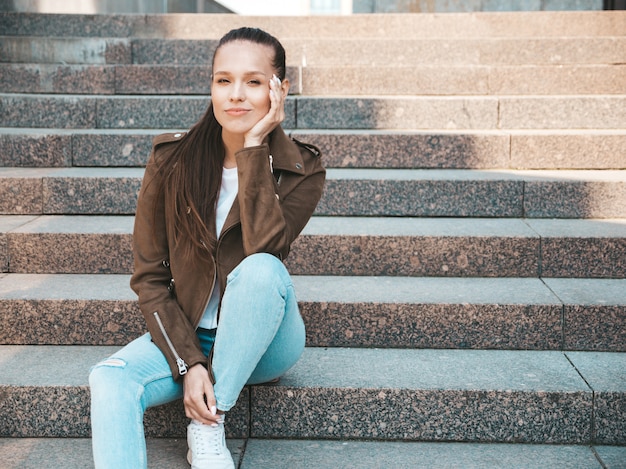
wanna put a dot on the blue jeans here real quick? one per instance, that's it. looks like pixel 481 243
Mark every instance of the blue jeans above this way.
pixel 260 336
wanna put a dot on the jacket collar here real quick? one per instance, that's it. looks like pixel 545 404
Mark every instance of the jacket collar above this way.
pixel 285 152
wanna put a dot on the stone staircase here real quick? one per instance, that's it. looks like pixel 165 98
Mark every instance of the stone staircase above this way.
pixel 463 280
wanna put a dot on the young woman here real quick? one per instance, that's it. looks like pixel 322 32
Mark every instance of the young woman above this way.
pixel 217 212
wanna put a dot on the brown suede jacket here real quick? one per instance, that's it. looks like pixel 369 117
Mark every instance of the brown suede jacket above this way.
pixel 271 209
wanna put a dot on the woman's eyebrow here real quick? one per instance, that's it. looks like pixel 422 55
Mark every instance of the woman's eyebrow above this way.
pixel 220 72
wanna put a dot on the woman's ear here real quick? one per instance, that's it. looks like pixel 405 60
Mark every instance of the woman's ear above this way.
pixel 284 86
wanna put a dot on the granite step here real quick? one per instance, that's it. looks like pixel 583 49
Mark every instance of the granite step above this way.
pixel 479 396
pixel 252 453
pixel 349 192
pixel 396 26
pixel 435 149
pixel 324 51
pixel 350 246
pixel 334 80
pixel 340 311
pixel 396 112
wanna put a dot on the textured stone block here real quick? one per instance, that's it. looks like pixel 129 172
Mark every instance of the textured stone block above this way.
pixel 173 51
pixel 65 50
pixel 415 247
pixel 605 374
pixel 342 80
pixel 381 149
pixel 68 310
pixel 76 191
pixel 426 395
pixel 158 79
pixel 72 245
pixel 452 193
pixel 397 113
pixel 76 453
pixel 325 454
pixel 27 149
pixel 594 314
pixel 47 111
pixel 49 78
pixel 475 313
pixel 48 398
pixel 575 194
pixel 582 248
pixel 562 112
pixel 161 112
pixel 573 150
pixel 564 80
pixel 22 191
pixel 121 148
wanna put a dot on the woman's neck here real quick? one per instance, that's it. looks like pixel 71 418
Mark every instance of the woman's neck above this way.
pixel 232 144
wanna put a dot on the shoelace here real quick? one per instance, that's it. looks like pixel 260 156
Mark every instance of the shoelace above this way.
pixel 206 441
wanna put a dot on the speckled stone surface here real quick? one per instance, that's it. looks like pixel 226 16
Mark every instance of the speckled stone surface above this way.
pixel 606 375
pixel 47 398
pixel 573 150
pixel 576 199
pixel 562 112
pixel 22 191
pixel 338 311
pixel 613 457
pixel 85 191
pixel 47 111
pixel 150 112
pixel 35 149
pixel 382 149
pixel 173 51
pixel 347 454
pixel 594 314
pixel 162 112
pixel 397 113
pixel 427 395
pixel 582 248
pixel 53 78
pixel 482 24
pixel 415 247
pixel 65 50
pixel 75 453
pixel 162 79
pixel 121 148
pixel 576 79
pixel 451 193
pixel 89 244
pixel 7 223
pixel 429 313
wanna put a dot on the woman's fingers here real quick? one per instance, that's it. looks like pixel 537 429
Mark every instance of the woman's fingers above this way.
pixel 198 396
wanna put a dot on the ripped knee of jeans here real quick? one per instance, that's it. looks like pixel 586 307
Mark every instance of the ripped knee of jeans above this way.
pixel 112 362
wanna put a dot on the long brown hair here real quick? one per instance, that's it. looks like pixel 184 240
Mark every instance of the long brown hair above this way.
pixel 192 171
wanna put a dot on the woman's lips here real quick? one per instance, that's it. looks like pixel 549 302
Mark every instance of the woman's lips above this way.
pixel 237 111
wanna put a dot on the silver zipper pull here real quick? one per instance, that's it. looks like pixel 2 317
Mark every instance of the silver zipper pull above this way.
pixel 182 366
pixel 272 164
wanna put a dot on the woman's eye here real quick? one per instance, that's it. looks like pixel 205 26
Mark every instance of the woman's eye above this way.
pixel 222 80
pixel 254 82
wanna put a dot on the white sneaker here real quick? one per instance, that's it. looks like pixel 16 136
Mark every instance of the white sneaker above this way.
pixel 207 447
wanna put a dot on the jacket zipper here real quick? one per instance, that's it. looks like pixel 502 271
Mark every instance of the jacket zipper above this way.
pixel 182 366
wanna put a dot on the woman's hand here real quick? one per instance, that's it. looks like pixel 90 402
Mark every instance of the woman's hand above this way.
pixel 256 135
pixel 198 396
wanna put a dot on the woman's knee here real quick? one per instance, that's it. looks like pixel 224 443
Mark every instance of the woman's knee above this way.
pixel 262 269
pixel 108 378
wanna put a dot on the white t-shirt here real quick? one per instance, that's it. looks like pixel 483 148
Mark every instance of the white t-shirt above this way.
pixel 228 192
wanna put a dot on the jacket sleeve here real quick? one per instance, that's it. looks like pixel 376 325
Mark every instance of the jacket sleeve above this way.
pixel 270 223
pixel 169 327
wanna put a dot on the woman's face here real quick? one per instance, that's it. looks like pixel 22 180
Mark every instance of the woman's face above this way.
pixel 240 88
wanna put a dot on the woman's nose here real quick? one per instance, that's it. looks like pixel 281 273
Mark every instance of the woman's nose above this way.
pixel 237 92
